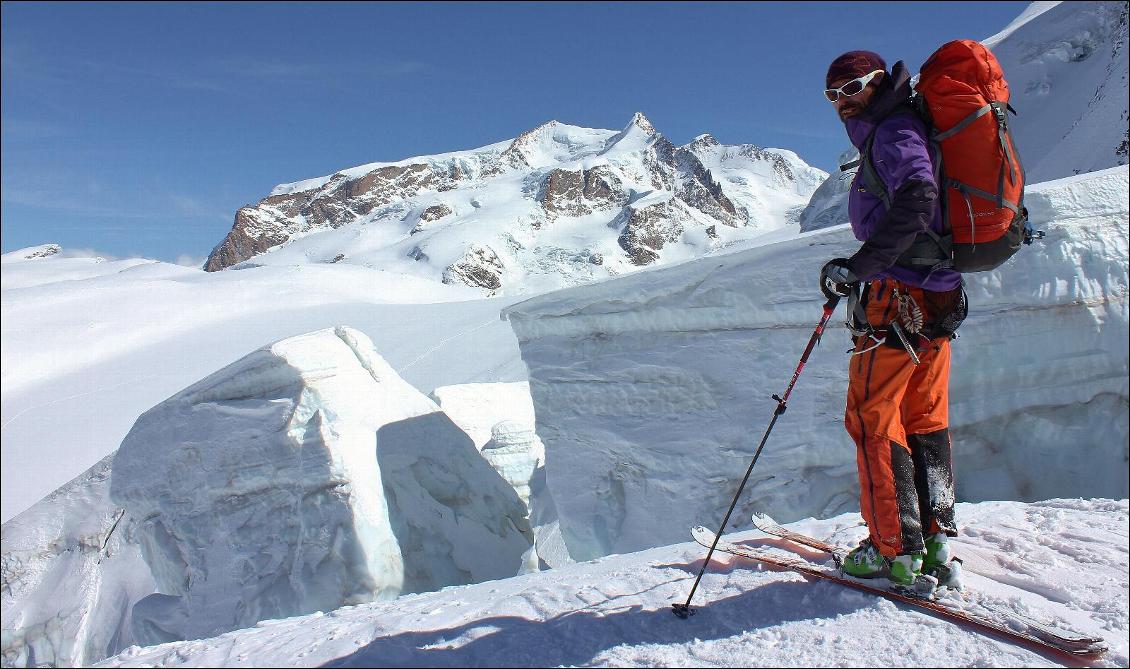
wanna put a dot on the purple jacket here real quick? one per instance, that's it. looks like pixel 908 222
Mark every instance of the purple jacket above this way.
pixel 902 158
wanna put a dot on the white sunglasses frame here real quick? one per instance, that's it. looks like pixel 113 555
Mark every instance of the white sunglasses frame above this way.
pixel 864 80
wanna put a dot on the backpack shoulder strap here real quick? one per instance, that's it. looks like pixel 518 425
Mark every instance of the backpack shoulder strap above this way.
pixel 930 250
pixel 867 174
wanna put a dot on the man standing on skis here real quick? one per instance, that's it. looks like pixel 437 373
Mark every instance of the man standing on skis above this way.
pixel 903 310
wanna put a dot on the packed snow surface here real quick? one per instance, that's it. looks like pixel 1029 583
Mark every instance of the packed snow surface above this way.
pixel 1061 561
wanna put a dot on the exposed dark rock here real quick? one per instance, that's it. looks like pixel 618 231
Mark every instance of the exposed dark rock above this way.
pixel 342 200
pixel 702 192
pixel 480 267
pixel 435 212
pixel 581 193
pixel 649 229
pixel 247 238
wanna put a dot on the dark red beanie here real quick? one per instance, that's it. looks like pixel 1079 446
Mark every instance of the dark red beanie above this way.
pixel 852 65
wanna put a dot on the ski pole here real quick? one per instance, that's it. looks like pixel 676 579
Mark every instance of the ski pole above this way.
pixel 685 610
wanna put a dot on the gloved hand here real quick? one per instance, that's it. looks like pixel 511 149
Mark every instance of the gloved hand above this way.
pixel 836 278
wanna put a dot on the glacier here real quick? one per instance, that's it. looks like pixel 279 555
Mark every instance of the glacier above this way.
pixel 308 475
pixel 651 391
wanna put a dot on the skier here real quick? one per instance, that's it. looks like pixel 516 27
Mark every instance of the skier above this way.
pixel 903 312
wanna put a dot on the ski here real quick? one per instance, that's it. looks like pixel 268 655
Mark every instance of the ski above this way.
pixel 765 525
pixel 802 566
pixel 1063 636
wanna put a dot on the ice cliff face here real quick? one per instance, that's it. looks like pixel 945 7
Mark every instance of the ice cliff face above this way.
pixel 306 476
pixel 558 205
pixel 828 205
pixel 651 393
pixel 72 571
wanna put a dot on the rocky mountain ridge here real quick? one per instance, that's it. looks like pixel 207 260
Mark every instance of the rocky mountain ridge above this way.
pixel 565 203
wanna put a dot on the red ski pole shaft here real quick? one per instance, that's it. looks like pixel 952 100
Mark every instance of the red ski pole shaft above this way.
pixel 685 610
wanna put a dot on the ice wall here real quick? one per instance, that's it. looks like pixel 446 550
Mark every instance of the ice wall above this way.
pixel 306 476
pixel 72 570
pixel 652 391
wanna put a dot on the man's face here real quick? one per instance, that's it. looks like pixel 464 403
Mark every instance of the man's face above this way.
pixel 848 106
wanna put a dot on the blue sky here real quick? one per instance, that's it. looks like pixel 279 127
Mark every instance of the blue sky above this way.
pixel 138 129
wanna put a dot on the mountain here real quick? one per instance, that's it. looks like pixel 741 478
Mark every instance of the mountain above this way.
pixel 559 205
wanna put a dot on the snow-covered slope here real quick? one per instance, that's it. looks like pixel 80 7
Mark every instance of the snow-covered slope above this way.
pixel 1068 69
pixel 559 205
pixel 89 345
pixel 1062 561
pixel 651 392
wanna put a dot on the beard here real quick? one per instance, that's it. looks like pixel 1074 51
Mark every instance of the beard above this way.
pixel 849 110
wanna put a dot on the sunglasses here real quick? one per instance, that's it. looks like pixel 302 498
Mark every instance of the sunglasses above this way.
pixel 853 87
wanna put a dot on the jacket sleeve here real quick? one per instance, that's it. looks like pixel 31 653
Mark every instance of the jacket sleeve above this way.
pixel 903 163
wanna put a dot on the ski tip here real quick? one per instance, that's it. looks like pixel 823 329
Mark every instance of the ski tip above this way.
pixel 763 520
pixel 699 532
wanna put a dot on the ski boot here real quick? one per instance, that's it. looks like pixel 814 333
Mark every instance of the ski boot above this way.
pixel 904 572
pixel 940 563
pixel 865 561
pixel 906 576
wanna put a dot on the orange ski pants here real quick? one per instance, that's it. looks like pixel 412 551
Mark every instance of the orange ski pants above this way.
pixel 898 415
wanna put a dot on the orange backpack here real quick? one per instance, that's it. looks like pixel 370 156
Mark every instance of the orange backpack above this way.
pixel 963 98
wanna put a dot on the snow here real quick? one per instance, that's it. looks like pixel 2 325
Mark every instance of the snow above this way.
pixel 247 493
pixel 361 170
pixel 1062 561
pixel 250 495
pixel 1056 57
pixel 88 346
pixel 254 491
pixel 478 407
pixel 495 208
pixel 515 452
pixel 72 572
pixel 651 392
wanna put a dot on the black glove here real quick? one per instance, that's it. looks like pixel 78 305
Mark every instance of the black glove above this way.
pixel 836 278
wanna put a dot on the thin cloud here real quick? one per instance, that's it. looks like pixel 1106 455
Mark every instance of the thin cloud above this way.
pixel 64 201
pixel 188 260
pixel 216 76
pixel 273 69
pixel 92 201
pixel 192 207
